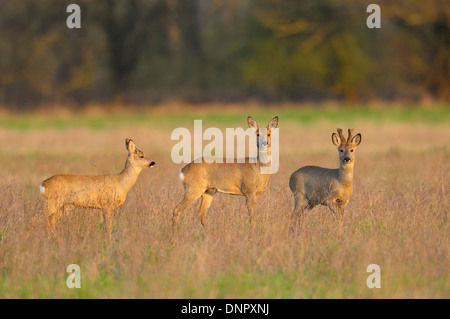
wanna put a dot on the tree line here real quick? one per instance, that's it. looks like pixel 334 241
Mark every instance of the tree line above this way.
pixel 147 51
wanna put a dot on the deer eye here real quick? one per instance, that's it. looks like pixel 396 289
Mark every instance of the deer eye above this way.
pixel 351 150
pixel 141 156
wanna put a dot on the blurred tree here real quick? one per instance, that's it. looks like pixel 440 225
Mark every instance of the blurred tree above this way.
pixel 186 43
pixel 425 42
pixel 126 27
pixel 149 50
pixel 311 48
pixel 41 60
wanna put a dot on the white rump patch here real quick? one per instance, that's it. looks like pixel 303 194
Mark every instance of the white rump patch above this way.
pixel 181 175
pixel 41 188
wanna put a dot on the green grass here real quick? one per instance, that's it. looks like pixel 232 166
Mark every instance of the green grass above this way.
pixel 246 285
pixel 436 115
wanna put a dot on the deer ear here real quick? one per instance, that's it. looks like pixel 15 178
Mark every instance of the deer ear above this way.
pixel 335 139
pixel 252 123
pixel 273 123
pixel 131 147
pixel 356 140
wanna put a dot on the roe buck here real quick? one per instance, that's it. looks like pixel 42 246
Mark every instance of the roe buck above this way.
pixel 312 185
pixel 202 179
pixel 105 192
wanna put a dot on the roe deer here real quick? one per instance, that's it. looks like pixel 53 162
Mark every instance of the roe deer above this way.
pixel 105 192
pixel 204 179
pixel 312 185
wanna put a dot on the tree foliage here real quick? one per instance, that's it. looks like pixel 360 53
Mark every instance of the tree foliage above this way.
pixel 149 50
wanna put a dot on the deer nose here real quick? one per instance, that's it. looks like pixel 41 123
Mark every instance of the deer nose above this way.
pixel 152 164
pixel 347 159
pixel 264 143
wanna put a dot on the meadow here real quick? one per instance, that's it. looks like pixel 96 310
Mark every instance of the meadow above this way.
pixel 397 218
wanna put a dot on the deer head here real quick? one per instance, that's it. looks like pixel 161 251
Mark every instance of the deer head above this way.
pixel 346 147
pixel 263 139
pixel 136 157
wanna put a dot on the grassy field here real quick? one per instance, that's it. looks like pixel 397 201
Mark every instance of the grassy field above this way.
pixel 397 218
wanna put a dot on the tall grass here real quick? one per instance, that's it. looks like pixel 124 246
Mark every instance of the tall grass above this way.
pixel 397 218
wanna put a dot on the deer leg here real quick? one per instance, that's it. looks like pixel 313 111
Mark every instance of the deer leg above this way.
pixel 338 211
pixel 47 210
pixel 52 210
pixel 340 216
pixel 188 199
pixel 300 204
pixel 51 221
pixel 206 202
pixel 52 218
pixel 37 216
pixel 335 207
pixel 251 205
pixel 332 207
pixel 107 218
pixel 296 206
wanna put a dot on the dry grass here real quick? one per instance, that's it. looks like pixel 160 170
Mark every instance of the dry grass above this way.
pixel 397 218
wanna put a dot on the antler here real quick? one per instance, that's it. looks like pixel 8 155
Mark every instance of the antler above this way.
pixel 341 135
pixel 350 135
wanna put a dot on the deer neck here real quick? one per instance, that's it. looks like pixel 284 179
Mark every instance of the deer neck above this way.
pixel 128 176
pixel 264 163
pixel 346 175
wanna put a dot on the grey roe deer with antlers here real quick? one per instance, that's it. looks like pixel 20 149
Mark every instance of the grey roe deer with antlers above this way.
pixel 313 185
pixel 105 192
pixel 204 179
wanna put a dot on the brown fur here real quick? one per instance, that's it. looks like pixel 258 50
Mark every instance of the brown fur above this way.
pixel 312 185
pixel 105 192
pixel 205 179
